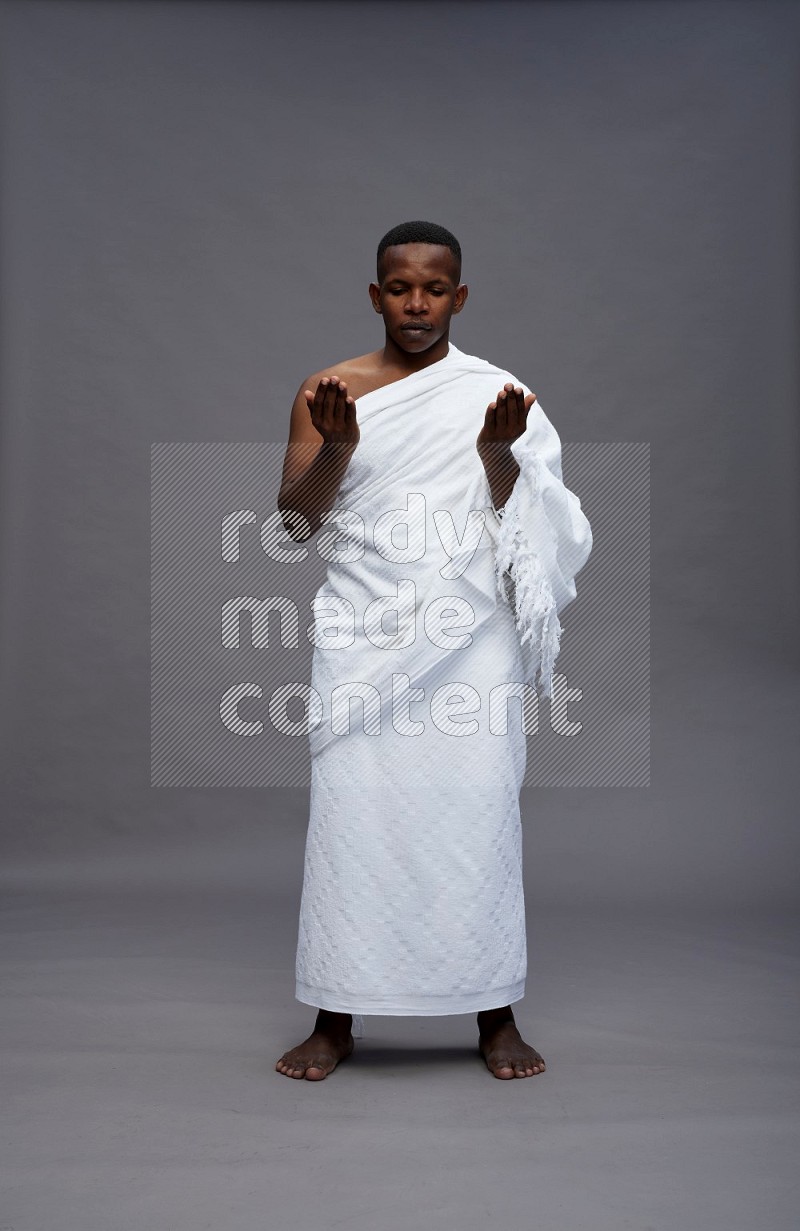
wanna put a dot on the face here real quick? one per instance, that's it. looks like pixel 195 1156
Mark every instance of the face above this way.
pixel 418 294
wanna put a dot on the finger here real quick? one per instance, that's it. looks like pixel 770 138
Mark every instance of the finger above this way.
pixel 326 400
pixel 511 408
pixel 339 407
pixel 331 396
pixel 520 411
pixel 527 402
pixel 319 395
pixel 502 411
pixel 518 421
pixel 318 404
pixel 321 390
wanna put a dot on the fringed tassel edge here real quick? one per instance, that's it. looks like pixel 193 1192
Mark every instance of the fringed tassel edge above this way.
pixel 535 612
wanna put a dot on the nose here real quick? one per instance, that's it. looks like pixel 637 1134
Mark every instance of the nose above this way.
pixel 415 304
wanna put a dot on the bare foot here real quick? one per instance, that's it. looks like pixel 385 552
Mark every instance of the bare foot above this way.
pixel 506 1053
pixel 319 1054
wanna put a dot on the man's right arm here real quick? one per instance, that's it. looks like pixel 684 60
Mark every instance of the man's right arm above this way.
pixel 323 435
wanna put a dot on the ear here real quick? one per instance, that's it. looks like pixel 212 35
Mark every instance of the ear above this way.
pixel 375 296
pixel 461 298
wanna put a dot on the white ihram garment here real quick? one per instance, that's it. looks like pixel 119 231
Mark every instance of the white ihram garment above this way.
pixel 412 898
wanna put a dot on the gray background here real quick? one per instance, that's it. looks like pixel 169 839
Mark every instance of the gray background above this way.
pixel 191 199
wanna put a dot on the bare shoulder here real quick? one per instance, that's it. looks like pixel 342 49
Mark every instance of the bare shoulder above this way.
pixel 361 374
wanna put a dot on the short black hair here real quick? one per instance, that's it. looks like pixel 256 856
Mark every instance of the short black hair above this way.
pixel 419 232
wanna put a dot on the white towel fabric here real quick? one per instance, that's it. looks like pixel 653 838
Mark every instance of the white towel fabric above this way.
pixel 412 900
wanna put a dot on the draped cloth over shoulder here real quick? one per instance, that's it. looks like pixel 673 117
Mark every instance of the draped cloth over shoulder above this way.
pixel 412 893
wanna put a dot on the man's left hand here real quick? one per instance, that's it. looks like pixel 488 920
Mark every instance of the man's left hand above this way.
pixel 506 417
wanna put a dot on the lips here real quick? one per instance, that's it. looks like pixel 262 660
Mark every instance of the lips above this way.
pixel 414 328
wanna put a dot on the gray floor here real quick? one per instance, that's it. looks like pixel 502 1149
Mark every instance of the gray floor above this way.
pixel 142 1025
pixel 147 962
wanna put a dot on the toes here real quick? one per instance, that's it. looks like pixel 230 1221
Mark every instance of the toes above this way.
pixel 289 1068
pixel 509 1067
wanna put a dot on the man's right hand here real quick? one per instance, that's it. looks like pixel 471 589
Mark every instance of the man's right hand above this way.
pixel 333 412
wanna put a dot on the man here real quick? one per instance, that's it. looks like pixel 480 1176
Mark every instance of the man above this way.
pixel 412 894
